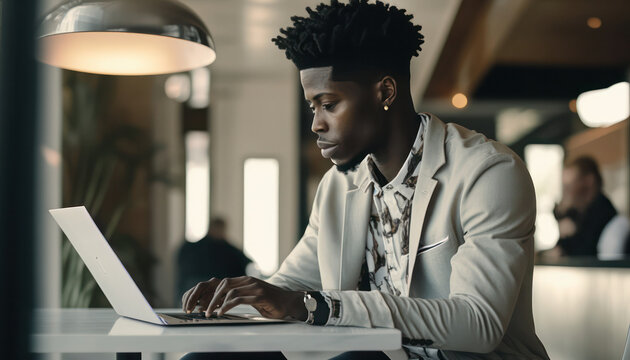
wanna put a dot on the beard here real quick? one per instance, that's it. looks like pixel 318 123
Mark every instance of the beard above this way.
pixel 352 164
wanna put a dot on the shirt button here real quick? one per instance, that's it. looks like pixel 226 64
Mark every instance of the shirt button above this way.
pixel 389 187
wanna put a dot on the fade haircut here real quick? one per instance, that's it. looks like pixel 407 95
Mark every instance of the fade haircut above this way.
pixel 352 37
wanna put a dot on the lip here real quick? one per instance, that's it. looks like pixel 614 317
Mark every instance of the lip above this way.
pixel 327 148
pixel 322 144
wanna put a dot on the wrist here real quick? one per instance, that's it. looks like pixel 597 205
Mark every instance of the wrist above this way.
pixel 297 310
pixel 318 310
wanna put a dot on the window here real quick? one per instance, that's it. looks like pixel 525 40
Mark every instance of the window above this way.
pixel 197 185
pixel 544 163
pixel 260 218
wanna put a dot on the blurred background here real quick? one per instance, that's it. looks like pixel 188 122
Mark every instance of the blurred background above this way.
pixel 154 158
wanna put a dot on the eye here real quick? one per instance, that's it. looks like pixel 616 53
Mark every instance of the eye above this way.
pixel 312 109
pixel 329 106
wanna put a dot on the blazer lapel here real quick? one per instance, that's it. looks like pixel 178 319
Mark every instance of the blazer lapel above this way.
pixel 355 226
pixel 421 200
pixel 433 158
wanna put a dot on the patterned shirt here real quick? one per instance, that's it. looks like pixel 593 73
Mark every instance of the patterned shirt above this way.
pixel 387 247
pixel 387 244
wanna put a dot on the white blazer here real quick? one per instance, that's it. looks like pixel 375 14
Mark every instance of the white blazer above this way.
pixel 470 250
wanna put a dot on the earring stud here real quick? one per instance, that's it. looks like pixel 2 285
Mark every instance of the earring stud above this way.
pixel 385 107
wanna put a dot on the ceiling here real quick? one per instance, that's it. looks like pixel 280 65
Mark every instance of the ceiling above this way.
pixel 528 57
pixel 242 30
pixel 500 53
pixel 555 32
pixel 471 45
pixel 544 50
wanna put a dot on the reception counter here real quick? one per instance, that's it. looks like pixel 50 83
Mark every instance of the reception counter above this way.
pixel 582 307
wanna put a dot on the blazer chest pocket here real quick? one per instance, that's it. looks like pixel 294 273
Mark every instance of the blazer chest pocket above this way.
pixel 432 270
pixel 432 247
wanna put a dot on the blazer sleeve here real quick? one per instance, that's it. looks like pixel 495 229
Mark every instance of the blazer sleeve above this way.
pixel 300 270
pixel 497 213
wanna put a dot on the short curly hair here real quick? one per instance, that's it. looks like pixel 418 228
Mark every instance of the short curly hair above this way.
pixel 354 35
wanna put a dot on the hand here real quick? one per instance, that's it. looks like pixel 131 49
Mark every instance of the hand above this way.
pixel 567 202
pixel 566 227
pixel 222 295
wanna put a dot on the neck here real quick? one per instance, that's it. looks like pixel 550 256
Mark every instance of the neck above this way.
pixel 402 122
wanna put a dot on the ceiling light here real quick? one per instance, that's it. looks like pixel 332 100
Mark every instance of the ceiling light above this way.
pixel 604 107
pixel 459 100
pixel 125 37
pixel 594 22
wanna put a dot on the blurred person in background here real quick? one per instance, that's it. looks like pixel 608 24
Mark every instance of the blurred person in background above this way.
pixel 583 212
pixel 212 256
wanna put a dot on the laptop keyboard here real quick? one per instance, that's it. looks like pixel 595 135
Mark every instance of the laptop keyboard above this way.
pixel 202 316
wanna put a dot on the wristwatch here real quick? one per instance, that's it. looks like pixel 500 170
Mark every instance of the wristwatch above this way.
pixel 311 305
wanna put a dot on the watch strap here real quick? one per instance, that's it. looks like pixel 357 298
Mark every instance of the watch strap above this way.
pixel 322 313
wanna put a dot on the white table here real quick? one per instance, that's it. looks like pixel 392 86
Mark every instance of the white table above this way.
pixel 102 330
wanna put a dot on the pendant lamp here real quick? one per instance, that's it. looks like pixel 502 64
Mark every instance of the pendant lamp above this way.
pixel 125 37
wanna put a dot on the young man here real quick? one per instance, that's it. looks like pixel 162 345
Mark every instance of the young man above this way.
pixel 419 226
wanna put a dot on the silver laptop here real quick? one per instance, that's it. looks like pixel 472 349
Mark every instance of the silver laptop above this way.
pixel 116 283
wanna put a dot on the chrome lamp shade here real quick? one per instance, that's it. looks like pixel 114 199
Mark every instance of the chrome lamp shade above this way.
pixel 125 37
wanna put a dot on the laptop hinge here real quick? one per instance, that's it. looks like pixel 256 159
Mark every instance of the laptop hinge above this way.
pixel 162 319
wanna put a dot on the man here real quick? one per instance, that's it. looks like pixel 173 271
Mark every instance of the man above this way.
pixel 583 211
pixel 419 226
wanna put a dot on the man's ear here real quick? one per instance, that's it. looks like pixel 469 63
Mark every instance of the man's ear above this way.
pixel 388 90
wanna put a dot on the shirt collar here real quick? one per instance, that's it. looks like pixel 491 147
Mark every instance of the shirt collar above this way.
pixel 408 172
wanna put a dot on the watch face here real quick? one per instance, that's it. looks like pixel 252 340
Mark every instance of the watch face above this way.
pixel 310 303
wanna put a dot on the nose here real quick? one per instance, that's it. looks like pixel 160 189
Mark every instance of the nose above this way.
pixel 319 124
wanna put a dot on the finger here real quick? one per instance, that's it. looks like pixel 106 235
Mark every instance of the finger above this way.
pixel 187 296
pixel 205 299
pixel 217 298
pixel 239 300
pixel 206 294
pixel 222 289
pixel 191 302
pixel 251 289
pixel 184 297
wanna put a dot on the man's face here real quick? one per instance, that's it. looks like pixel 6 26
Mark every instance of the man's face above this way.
pixel 577 185
pixel 345 116
pixel 570 181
